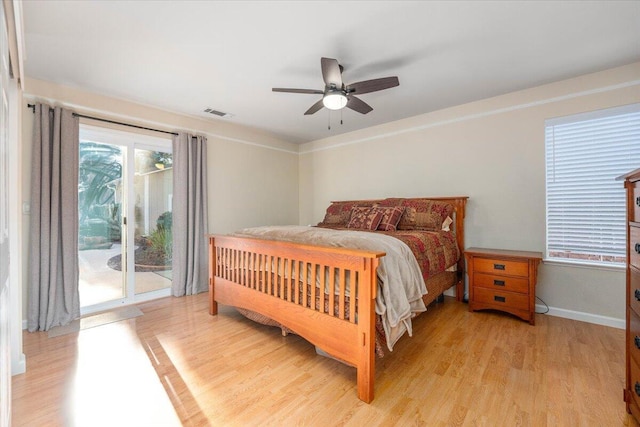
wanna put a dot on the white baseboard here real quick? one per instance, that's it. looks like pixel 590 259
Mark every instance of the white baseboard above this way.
pixel 19 366
pixel 583 317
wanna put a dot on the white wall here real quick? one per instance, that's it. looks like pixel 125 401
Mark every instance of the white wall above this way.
pixel 491 151
pixel 252 176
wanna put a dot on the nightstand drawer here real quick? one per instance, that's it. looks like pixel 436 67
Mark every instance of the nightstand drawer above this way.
pixel 499 266
pixel 634 246
pixel 501 298
pixel 501 283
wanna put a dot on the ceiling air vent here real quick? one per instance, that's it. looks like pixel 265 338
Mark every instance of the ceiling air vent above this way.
pixel 218 113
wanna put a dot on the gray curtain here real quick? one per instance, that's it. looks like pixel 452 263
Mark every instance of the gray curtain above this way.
pixel 53 286
pixel 190 246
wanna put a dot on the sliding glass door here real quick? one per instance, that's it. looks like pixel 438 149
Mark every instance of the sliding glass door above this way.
pixel 125 220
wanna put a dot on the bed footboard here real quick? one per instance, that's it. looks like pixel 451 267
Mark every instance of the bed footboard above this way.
pixel 285 281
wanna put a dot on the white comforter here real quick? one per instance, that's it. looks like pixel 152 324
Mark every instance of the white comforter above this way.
pixel 400 282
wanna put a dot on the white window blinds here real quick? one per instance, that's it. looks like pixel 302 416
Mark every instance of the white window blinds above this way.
pixel 585 204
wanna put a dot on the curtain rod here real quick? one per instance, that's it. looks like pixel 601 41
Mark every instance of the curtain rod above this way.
pixel 33 108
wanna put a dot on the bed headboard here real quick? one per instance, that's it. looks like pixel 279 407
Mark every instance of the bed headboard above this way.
pixel 458 202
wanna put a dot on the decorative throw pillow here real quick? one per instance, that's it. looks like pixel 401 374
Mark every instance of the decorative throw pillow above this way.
pixel 423 214
pixel 407 220
pixel 336 220
pixel 364 218
pixel 390 217
pixel 338 213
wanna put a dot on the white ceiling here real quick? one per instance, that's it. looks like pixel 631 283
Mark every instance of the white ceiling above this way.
pixel 186 56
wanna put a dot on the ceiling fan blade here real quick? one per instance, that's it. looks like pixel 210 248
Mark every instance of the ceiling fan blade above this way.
pixel 314 108
pixel 373 85
pixel 331 72
pixel 311 91
pixel 357 104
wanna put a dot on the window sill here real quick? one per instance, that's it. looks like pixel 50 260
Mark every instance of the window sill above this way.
pixel 579 264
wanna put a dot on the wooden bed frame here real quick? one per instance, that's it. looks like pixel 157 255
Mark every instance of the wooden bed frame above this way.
pixel 264 276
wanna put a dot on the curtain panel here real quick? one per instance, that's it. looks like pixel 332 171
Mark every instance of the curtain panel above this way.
pixel 190 246
pixel 53 298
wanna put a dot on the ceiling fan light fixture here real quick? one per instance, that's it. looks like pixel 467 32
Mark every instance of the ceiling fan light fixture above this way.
pixel 334 100
pixel 336 95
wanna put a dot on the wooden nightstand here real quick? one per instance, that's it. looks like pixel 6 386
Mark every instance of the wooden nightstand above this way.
pixel 503 280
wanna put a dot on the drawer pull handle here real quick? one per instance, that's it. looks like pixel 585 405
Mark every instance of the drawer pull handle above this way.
pixel 498 282
pixel 637 294
pixel 637 388
pixel 637 248
pixel 636 341
pixel 637 201
pixel 501 299
pixel 501 266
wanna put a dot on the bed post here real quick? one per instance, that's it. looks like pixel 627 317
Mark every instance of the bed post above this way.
pixel 366 331
pixel 460 203
pixel 213 305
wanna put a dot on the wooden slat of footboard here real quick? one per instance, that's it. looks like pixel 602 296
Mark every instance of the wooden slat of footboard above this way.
pixel 295 273
pixel 241 278
pixel 352 301
pixel 269 274
pixel 342 282
pixel 305 275
pixel 314 272
pixel 332 291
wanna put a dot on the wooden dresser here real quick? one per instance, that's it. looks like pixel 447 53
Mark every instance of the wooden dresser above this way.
pixel 503 280
pixel 632 388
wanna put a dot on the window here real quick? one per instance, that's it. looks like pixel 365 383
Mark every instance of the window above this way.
pixel 586 206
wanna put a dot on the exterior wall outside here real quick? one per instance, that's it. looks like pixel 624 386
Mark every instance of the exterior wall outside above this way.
pixel 159 186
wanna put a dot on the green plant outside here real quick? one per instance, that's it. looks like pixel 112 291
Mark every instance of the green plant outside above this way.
pixel 161 241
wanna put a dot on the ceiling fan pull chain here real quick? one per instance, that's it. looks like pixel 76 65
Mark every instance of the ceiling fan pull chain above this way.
pixel 341 117
pixel 329 121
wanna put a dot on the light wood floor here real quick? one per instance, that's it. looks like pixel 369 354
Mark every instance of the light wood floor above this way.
pixel 176 364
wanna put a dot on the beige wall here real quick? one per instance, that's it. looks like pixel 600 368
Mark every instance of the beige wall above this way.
pixel 252 176
pixel 491 151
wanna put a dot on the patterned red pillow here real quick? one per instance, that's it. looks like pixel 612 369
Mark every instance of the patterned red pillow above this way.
pixel 339 213
pixel 364 218
pixel 390 217
pixel 421 214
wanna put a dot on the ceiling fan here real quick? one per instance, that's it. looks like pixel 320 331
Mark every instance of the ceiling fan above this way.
pixel 336 95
